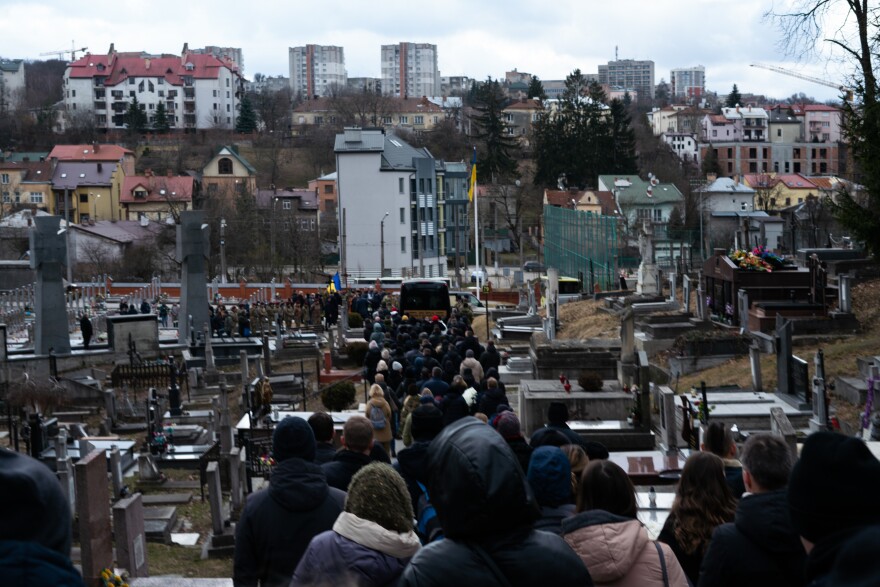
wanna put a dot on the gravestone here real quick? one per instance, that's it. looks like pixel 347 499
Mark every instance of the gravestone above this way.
pixel 93 508
pixel 64 469
pixel 667 420
pixel 245 390
pixel 755 364
pixel 116 471
pixel 48 254
pixel 673 286
pixel 192 249
pixel 648 275
pixel 221 542
pixel 644 379
pixel 844 293
pixel 700 302
pixel 131 539
pixel 781 426
pixel 147 469
pixel 742 298
pixel 819 421
pixel 686 292
pixel 626 364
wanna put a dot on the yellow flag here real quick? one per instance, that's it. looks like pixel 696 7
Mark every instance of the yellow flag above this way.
pixel 473 182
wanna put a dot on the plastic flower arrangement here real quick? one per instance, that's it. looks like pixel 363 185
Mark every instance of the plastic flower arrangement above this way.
pixel 111 579
pixel 769 257
pixel 749 261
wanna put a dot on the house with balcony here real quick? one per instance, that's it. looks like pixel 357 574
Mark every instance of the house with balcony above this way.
pixel 25 185
pixel 638 201
pixel 156 197
pixel 198 90
pixel 822 124
pixel 520 116
pixel 717 127
pixel 661 119
pixel 87 191
pixel 753 121
pixel 727 194
pixel 413 114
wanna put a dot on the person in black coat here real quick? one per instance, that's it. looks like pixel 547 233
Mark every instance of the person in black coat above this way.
pixel 760 548
pixel 486 509
pixel 453 405
pixel 493 397
pixel 35 527
pixel 509 428
pixel 322 426
pixel 557 418
pixel 85 326
pixel 277 523
pixel 427 422
pixel 490 358
pixel 357 442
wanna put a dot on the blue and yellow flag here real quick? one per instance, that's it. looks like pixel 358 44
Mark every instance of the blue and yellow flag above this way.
pixel 473 184
pixel 335 284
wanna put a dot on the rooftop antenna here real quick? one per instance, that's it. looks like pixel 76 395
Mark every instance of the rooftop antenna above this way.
pixel 615 52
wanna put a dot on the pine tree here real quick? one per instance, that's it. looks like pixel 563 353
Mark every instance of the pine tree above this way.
pixel 496 157
pixel 136 117
pixel 623 141
pixel 536 89
pixel 710 162
pixel 160 123
pixel 734 98
pixel 247 117
pixel 661 94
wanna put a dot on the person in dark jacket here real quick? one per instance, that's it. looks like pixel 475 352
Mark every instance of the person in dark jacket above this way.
pixel 760 548
pixel 719 441
pixel 322 426
pixel 509 428
pixel 857 565
pixel 426 422
pixel 371 541
pixel 85 326
pixel 35 525
pixel 492 398
pixel 557 423
pixel 277 523
pixel 371 361
pixel 453 405
pixel 549 475
pixel 490 358
pixel 436 384
pixel 486 509
pixel 831 497
pixel 357 443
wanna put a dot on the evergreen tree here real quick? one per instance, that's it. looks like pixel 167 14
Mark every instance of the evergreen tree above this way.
pixel 661 94
pixel 710 162
pixel 623 141
pixel 496 157
pixel 136 117
pixel 247 117
pixel 536 89
pixel 160 123
pixel 734 98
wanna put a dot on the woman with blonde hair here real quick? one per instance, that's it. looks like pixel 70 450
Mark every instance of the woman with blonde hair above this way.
pixel 378 412
pixel 579 460
pixel 702 503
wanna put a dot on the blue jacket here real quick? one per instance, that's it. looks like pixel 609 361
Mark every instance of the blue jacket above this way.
pixel 28 563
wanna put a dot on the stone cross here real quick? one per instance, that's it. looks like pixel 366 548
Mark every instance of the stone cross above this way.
pixel 819 421
pixel 781 426
pixel 192 250
pixel 93 507
pixel 48 256
pixel 215 497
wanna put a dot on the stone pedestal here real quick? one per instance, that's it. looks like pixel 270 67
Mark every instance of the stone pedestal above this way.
pixel 648 279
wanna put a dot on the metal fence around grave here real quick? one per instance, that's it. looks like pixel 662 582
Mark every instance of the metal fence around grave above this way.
pixel 142 377
pixel 582 245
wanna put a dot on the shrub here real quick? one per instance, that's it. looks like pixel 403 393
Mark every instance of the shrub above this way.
pixel 590 381
pixel 355 320
pixel 356 352
pixel 338 396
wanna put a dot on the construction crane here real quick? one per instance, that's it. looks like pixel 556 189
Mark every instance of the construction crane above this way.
pixel 61 52
pixel 847 92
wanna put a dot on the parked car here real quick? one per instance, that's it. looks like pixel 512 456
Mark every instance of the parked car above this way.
pixel 534 267
pixel 477 307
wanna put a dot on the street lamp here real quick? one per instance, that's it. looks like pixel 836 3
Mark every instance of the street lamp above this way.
pixel 222 250
pixel 382 245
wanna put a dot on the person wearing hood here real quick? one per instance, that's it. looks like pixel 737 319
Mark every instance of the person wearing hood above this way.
pixel 760 548
pixel 426 423
pixel 34 525
pixel 371 541
pixel 490 358
pixel 609 538
pixel 486 509
pixel 550 478
pixel 382 430
pixel 277 523
pixel 453 404
pixel 378 334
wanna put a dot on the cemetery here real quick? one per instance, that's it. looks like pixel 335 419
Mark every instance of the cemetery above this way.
pixel 157 436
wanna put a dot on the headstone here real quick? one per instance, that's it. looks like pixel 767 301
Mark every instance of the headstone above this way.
pixel 644 390
pixel 783 355
pixel 800 379
pixel 192 249
pixel 755 364
pixel 648 275
pixel 235 480
pixel 210 366
pixel 673 286
pixel 64 470
pixel 85 447
pixel 93 508
pixel 700 302
pixel 110 408
pixel 48 254
pixel 147 469
pixel 781 426
pixel 819 421
pixel 267 355
pixel 245 380
pixel 3 352
pixel 116 471
pixel 131 539
pixel 215 498
pixel 743 309
pixel 844 293
pixel 226 429
pixel 667 422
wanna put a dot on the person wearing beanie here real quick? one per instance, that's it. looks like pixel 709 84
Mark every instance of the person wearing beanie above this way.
pixel 831 497
pixel 509 428
pixel 486 509
pixel 426 424
pixel 277 523
pixel 549 475
pixel 760 547
pixel 372 540
pixel 34 525
pixel 322 425
pixel 357 443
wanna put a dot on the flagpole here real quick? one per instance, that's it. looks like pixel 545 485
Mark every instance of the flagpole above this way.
pixel 476 227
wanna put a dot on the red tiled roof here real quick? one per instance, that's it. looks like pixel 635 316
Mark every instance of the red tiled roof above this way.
pixel 530 104
pixel 795 181
pixel 561 198
pixel 391 106
pixel 607 202
pixel 823 183
pixel 819 108
pixel 89 152
pixel 33 170
pixel 117 67
pixel 176 187
pixel 719 119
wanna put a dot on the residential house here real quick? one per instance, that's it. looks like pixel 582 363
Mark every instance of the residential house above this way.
pixel 592 201
pixel 12 84
pixel 785 125
pixel 683 144
pixel 316 70
pixel 717 127
pixel 24 185
pixel 198 90
pixel 293 223
pixel 520 116
pixel 638 201
pixel 228 174
pixel 156 197
pixel 737 158
pixel 457 214
pixel 661 119
pixel 753 121
pixel 24 156
pixel 726 194
pixel 688 83
pixel 822 124
pixel 325 188
pixel 414 114
pixel 788 189
pixel 93 190
pixel 98 244
pixel 391 203
pixel 95 153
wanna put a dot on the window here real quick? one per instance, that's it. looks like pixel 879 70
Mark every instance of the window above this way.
pixel 215 93
pixel 753 153
pixel 318 119
pixel 227 95
pixel 227 108
pixel 714 133
pixel 131 81
pixel 404 119
pixel 402 244
pixel 797 167
pixel 83 198
pixel 151 106
pixel 826 137
pixel 141 86
pixel 73 93
pixel 224 166
pixel 743 206
pixel 4 178
pixel 227 82
pixel 730 153
pixel 228 120
pixel 161 81
pixel 328 189
pixel 796 153
pixel 419 120
pixel 402 215
pixel 161 93
pixel 140 193
pixel 151 87
pixel 753 167
pixel 6 198
pixel 131 94
pixel 778 132
pixel 285 205
pixel 658 215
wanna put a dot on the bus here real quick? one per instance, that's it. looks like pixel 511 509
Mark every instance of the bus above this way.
pixel 424 298
pixel 570 289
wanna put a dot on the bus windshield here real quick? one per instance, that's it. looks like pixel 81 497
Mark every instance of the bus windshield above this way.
pixel 424 299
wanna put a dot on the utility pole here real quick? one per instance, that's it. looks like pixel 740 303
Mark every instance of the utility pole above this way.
pixel 222 250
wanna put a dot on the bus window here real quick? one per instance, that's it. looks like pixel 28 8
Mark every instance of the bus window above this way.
pixel 422 299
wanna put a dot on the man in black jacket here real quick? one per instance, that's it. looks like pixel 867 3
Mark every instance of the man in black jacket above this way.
pixel 322 425
pixel 486 509
pixel 278 523
pixel 760 547
pixel 427 422
pixel 357 443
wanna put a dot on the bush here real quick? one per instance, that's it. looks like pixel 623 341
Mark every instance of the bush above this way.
pixel 338 396
pixel 590 381
pixel 357 352
pixel 355 320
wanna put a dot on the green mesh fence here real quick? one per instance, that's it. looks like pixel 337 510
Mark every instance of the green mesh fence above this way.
pixel 582 245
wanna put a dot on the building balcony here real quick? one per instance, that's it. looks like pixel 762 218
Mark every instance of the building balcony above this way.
pixel 189 93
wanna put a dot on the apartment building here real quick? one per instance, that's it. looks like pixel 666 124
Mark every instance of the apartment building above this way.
pixel 198 90
pixel 409 70
pixel 12 84
pixel 629 73
pixel 688 83
pixel 315 70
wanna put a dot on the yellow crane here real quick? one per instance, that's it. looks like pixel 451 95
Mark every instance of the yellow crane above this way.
pixel 62 52
pixel 847 92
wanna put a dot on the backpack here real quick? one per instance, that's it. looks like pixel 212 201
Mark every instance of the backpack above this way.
pixel 427 525
pixel 377 417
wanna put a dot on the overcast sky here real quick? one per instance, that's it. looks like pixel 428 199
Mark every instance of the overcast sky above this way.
pixel 477 39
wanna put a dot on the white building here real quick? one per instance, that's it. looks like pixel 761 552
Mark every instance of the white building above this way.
pixel 199 90
pixel 409 70
pixel 316 69
pixel 12 84
pixel 726 194
pixel 688 82
pixel 390 197
pixel 683 144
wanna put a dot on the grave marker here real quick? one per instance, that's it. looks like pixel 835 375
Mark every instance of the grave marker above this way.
pixel 781 426
pixel 192 250
pixel 93 507
pixel 755 364
pixel 131 539
pixel 48 254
